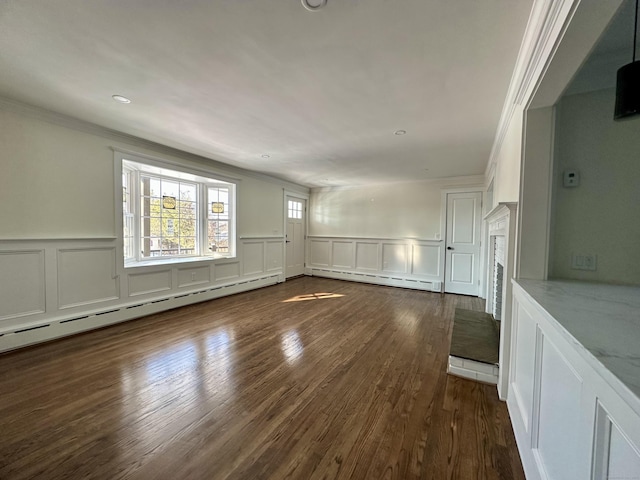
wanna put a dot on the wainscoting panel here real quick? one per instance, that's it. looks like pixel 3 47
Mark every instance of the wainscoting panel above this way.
pixel 51 288
pixel 426 260
pixel 343 254
pixel 149 282
pixel 252 257
pixel 274 256
pixel 227 271
pixel 523 365
pixel 399 262
pixel 394 258
pixel 86 276
pixel 192 276
pixel 367 256
pixel 558 423
pixel 319 252
pixel 571 417
pixel 23 283
pixel 624 457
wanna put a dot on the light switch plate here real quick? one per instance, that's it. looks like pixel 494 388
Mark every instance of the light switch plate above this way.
pixel 584 261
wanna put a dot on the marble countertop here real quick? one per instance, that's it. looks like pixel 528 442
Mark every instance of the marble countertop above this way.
pixel 604 319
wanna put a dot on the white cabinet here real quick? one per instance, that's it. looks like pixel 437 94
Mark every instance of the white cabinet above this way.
pixel 573 417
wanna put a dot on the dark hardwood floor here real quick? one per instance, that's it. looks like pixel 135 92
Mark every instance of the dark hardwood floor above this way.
pixel 282 382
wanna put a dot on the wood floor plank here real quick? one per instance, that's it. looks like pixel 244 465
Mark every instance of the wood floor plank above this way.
pixel 310 379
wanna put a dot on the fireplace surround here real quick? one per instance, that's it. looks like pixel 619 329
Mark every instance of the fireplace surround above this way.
pixel 501 223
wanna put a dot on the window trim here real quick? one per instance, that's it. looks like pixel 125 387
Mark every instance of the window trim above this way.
pixel 203 178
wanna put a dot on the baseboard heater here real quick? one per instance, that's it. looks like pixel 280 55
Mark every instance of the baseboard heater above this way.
pixel 25 335
pixel 378 279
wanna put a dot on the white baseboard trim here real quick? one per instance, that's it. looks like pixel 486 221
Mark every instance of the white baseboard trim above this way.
pixel 377 279
pixel 62 327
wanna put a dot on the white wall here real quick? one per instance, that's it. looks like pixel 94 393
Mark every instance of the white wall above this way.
pixel 61 265
pixel 59 182
pixel 385 234
pixel 397 210
pixel 508 160
pixel 602 215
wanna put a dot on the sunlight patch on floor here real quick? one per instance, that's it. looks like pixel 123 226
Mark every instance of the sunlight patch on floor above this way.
pixel 313 296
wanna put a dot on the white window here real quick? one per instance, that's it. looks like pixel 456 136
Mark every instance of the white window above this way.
pixel 294 209
pixel 175 214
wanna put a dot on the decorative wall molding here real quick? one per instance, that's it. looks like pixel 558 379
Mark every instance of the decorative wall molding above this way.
pixel 399 262
pixel 546 23
pixel 501 222
pixel 569 420
pixel 24 293
pixel 59 287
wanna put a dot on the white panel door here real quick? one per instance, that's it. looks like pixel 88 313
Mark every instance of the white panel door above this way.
pixel 295 210
pixel 462 260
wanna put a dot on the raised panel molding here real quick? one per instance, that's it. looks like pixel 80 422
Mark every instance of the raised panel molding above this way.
pixel 402 262
pixel 227 271
pixel 86 276
pixel 274 258
pixel 367 256
pixel 342 254
pixel 192 276
pixel 394 258
pixel 523 363
pixel 319 252
pixel 252 257
pixel 426 260
pixel 23 290
pixel 580 425
pixel 149 282
pixel 558 433
pixel 51 288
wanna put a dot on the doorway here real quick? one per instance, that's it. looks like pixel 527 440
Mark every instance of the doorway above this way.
pixel 463 242
pixel 296 221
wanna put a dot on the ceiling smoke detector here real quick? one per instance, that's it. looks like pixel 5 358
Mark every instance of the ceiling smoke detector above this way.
pixel 313 5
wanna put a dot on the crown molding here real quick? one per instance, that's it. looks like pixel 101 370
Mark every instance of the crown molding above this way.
pixel 545 28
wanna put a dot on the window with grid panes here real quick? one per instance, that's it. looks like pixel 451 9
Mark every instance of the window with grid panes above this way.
pixel 173 214
pixel 294 209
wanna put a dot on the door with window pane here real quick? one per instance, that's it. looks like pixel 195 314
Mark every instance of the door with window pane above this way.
pixel 296 209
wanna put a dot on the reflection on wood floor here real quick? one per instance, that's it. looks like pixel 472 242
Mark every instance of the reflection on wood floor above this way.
pixel 349 383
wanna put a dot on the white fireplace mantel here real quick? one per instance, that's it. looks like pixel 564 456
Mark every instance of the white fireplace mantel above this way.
pixel 501 222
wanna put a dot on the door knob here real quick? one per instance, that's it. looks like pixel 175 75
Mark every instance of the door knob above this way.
pixel 449 248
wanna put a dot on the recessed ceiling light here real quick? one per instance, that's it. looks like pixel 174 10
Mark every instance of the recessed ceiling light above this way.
pixel 313 5
pixel 121 99
pixel 400 132
pixel 266 156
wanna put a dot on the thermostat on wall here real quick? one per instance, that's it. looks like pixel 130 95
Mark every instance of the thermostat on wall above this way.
pixel 571 178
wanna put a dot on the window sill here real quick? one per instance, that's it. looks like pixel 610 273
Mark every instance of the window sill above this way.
pixel 170 261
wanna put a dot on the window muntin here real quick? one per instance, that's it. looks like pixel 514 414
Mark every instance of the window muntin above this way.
pixel 294 209
pixel 169 217
pixel 218 219
pixel 172 214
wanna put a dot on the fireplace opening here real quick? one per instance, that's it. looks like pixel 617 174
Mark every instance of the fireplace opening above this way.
pixel 497 289
pixel 498 275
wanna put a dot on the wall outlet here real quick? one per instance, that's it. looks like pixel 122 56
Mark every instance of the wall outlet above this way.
pixel 571 178
pixel 582 261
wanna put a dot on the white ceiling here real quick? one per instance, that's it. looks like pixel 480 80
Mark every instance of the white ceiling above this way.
pixel 321 92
